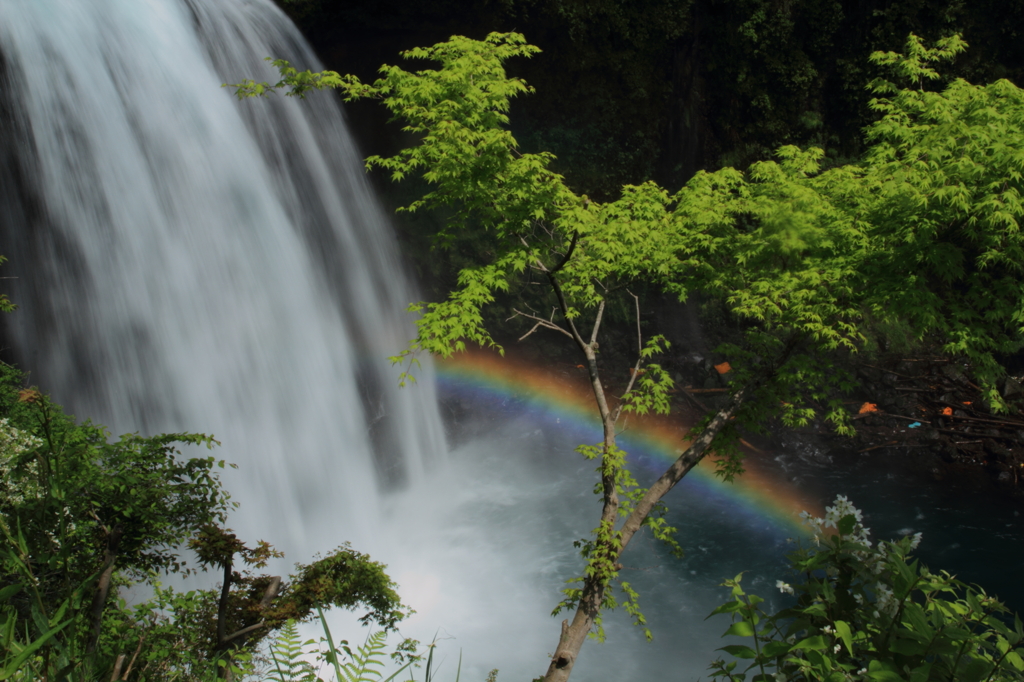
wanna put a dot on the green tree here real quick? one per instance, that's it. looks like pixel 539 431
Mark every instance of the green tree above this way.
pixel 944 172
pixel 82 515
pixel 764 242
pixel 795 253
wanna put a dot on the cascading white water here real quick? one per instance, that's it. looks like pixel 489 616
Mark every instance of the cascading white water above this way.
pixel 185 261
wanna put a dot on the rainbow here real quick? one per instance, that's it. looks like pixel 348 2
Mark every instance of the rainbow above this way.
pixel 563 395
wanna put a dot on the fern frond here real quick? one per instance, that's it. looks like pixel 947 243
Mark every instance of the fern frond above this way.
pixel 287 651
pixel 363 663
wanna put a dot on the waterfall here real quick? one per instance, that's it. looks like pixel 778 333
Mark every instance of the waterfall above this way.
pixel 185 261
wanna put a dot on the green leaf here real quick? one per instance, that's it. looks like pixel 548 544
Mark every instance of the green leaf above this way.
pixel 738 650
pixel 846 524
pixel 845 634
pixel 12 667
pixel 813 643
pixel 741 629
pixel 908 647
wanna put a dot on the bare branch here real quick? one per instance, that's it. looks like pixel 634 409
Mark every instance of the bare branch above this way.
pixel 117 667
pixel 541 322
pixel 689 394
pixel 639 358
pixel 565 313
pixel 634 372
pixel 272 590
pixel 597 322
pixel 131 664
pixel 243 632
pixel 540 264
pixel 639 338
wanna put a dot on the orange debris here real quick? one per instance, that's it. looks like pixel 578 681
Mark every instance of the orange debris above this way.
pixel 723 368
pixel 868 407
pixel 29 395
pixel 947 411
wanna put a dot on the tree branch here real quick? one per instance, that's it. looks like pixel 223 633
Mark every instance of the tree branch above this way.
pixel 541 322
pixel 272 591
pixel 243 632
pixel 597 324
pixel 99 599
pixel 639 358
pixel 131 663
pixel 568 254
pixel 222 604
pixel 698 448
pixel 565 313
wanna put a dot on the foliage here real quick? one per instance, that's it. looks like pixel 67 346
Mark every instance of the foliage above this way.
pixel 869 612
pixel 946 171
pixel 82 515
pixel 344 579
pixel 631 90
pixel 6 305
pixel 795 252
pixel 67 485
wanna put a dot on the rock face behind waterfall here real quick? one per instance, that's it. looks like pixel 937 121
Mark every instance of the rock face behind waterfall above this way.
pixel 186 261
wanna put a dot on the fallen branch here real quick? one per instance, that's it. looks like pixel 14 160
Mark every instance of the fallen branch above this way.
pixel 1002 422
pixel 876 447
pixel 895 373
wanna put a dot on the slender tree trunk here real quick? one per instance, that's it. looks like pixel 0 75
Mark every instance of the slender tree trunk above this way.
pixel 574 634
pixel 225 672
pixel 99 599
pixel 589 606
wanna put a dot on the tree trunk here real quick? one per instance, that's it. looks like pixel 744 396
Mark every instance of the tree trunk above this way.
pixel 594 586
pixel 99 599
pixel 575 634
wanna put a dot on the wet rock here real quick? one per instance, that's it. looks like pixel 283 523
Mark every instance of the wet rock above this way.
pixel 1012 388
pixel 948 452
pixel 869 375
pixel 953 372
pixel 997 450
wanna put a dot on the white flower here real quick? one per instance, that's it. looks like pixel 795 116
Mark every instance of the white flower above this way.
pixel 828 630
pixel 886 600
pixel 17 484
pixel 835 649
pixel 784 587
